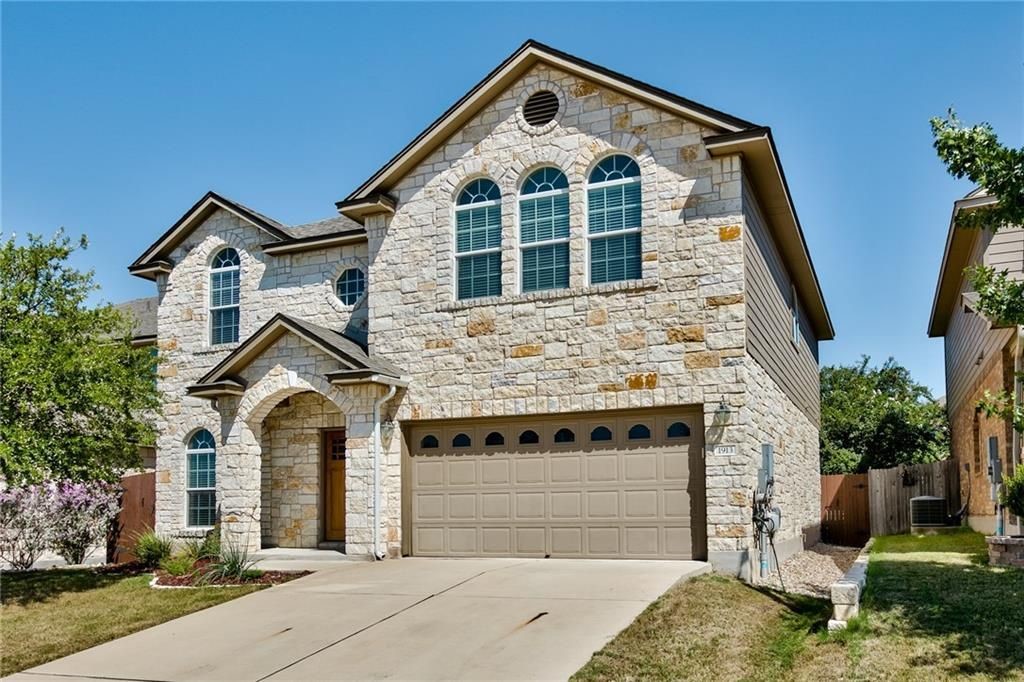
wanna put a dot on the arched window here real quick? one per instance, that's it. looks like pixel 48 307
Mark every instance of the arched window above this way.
pixel 429 442
pixel 613 220
pixel 201 479
pixel 544 230
pixel 601 433
pixel 461 441
pixel 529 437
pixel 351 286
pixel 639 432
pixel 565 436
pixel 494 438
pixel 478 240
pixel 678 430
pixel 225 271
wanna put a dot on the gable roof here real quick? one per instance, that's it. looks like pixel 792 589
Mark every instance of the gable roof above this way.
pixel 519 62
pixel 154 259
pixel 356 364
pixel 143 314
pixel 959 244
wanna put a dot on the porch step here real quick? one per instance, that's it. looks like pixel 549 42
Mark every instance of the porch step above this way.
pixel 335 546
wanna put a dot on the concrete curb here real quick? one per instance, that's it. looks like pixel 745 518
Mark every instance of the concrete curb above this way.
pixel 846 591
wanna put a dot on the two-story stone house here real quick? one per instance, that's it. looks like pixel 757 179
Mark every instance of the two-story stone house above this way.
pixel 560 322
pixel 982 356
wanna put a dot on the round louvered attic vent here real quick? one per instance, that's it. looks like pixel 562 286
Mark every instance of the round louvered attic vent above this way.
pixel 540 108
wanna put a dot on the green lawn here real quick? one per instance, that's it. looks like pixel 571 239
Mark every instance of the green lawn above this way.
pixel 933 610
pixel 48 614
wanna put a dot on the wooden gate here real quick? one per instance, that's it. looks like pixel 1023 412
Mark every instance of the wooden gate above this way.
pixel 137 515
pixel 891 490
pixel 845 516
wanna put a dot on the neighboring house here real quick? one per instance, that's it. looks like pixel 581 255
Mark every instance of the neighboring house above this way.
pixel 142 311
pixel 980 356
pixel 561 322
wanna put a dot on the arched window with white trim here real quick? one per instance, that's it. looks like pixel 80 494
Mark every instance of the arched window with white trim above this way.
pixel 613 220
pixel 544 230
pixel 201 479
pixel 478 240
pixel 225 273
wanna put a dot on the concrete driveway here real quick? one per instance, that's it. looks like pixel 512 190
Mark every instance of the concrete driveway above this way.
pixel 406 619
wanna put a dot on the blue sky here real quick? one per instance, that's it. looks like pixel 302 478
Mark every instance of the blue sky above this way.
pixel 117 117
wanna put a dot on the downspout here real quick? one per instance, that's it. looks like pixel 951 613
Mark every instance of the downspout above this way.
pixel 1016 455
pixel 392 389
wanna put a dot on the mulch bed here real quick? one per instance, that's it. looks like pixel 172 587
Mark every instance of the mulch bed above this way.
pixel 196 579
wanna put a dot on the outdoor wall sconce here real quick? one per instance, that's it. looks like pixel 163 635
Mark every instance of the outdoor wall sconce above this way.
pixel 722 413
pixel 387 428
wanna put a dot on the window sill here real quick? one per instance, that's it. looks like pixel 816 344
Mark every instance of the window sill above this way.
pixel 220 348
pixel 194 532
pixel 552 294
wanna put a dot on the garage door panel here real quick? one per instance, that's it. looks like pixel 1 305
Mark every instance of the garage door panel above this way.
pixel 641 541
pixel 603 504
pixel 462 507
pixel 462 472
pixel 530 505
pixel 495 471
pixel 496 506
pixel 616 487
pixel 566 504
pixel 566 541
pixel 529 470
pixel 531 541
pixel 641 504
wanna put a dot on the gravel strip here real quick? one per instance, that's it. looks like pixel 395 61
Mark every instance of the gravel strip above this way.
pixel 813 570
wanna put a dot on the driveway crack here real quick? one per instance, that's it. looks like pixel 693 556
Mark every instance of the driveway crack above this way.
pixel 385 618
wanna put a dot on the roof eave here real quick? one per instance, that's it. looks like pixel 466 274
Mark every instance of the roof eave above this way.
pixel 321 241
pixel 954 259
pixel 217 389
pixel 528 54
pixel 761 160
pixel 151 269
pixel 359 209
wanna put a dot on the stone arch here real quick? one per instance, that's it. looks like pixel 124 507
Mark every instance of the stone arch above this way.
pixel 462 173
pixel 260 398
pixel 620 142
pixel 530 160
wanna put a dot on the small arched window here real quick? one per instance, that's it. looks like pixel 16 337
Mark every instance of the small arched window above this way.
pixel 544 230
pixel 461 441
pixel 351 286
pixel 201 479
pixel 478 240
pixel 613 220
pixel 601 433
pixel 678 430
pixel 225 277
pixel 565 436
pixel 639 432
pixel 429 442
pixel 494 438
pixel 529 437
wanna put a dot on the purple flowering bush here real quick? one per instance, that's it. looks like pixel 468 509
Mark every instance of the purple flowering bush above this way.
pixel 26 521
pixel 64 516
pixel 82 515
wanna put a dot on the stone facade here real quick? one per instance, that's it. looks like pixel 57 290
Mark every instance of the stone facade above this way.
pixel 674 337
pixel 291 469
pixel 970 431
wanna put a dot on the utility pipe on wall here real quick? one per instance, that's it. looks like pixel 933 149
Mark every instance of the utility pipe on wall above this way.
pixel 392 389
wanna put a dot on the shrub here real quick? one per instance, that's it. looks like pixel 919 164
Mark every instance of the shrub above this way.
pixel 150 548
pixel 1012 494
pixel 207 548
pixel 82 514
pixel 233 564
pixel 26 524
pixel 179 564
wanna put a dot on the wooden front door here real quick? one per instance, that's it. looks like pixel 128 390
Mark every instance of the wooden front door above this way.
pixel 334 486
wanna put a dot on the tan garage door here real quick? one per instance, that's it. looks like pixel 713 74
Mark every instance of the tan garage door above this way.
pixel 600 485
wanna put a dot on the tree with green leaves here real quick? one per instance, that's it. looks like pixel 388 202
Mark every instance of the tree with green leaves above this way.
pixel 74 392
pixel 878 417
pixel 974 152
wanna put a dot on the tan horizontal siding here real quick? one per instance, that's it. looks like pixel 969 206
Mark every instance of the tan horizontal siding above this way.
pixel 969 341
pixel 794 367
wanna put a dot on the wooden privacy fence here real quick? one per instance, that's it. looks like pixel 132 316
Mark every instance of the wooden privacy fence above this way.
pixel 857 506
pixel 844 509
pixel 138 514
pixel 890 491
